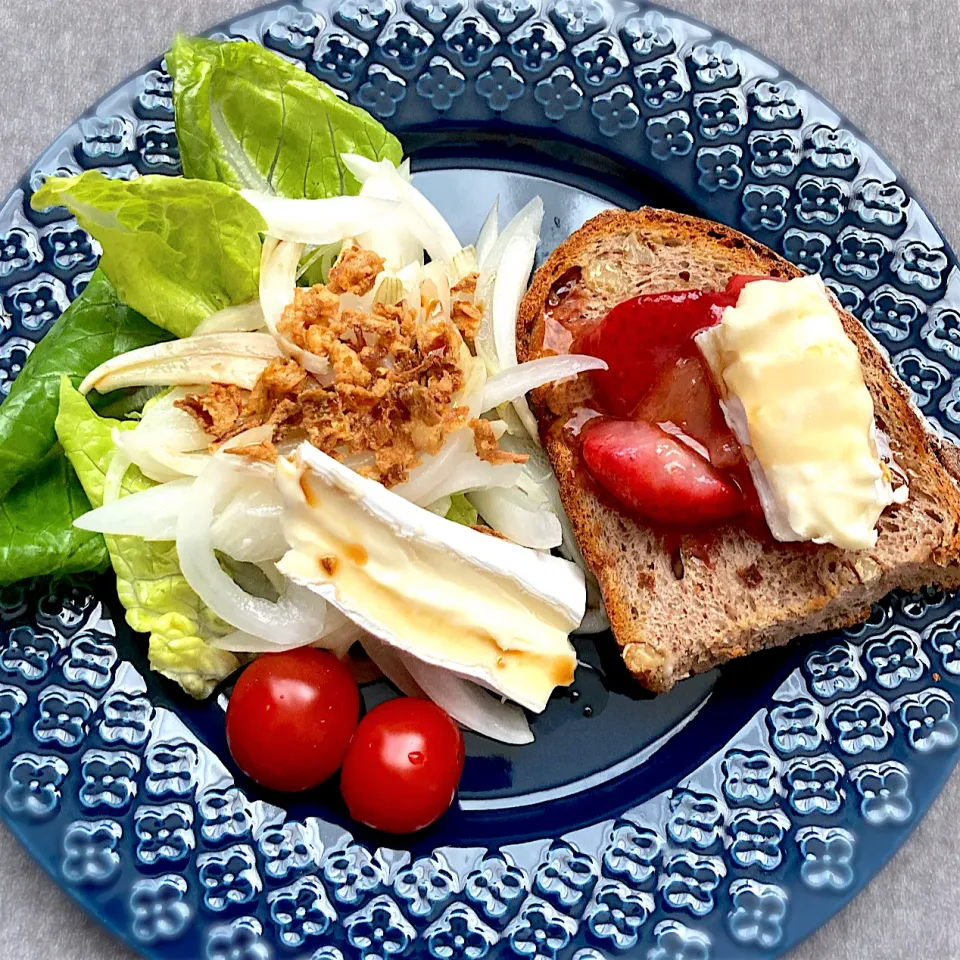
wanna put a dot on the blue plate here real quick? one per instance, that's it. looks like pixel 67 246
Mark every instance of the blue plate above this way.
pixel 726 819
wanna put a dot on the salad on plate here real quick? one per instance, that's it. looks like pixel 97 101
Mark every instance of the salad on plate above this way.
pixel 287 410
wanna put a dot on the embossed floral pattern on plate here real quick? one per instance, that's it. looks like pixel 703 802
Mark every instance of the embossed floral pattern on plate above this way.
pixel 130 808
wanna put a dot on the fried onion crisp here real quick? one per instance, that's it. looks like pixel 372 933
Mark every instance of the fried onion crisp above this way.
pixel 314 307
pixel 465 312
pixel 263 452
pixel 355 271
pixel 217 410
pixel 466 287
pixel 468 317
pixel 488 449
pixel 388 399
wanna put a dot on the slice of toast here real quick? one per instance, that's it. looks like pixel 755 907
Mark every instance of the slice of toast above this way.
pixel 679 610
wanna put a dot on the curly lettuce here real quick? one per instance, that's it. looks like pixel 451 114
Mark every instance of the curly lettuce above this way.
pixel 94 328
pixel 157 598
pixel 37 535
pixel 176 250
pixel 250 119
pixel 462 511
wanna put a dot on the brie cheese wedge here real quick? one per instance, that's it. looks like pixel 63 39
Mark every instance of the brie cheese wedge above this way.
pixel 484 608
pixel 793 393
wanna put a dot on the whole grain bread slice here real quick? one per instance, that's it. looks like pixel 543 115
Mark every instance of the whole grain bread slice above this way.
pixel 676 607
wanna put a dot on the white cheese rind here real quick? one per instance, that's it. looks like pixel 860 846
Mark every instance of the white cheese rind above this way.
pixel 482 607
pixel 793 392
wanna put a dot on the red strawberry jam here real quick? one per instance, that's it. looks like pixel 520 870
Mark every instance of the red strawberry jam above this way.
pixel 661 447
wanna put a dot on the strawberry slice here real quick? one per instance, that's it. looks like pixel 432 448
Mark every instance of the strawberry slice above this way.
pixel 686 397
pixel 657 476
pixel 642 337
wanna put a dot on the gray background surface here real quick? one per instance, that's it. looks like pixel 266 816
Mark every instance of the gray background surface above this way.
pixel 890 65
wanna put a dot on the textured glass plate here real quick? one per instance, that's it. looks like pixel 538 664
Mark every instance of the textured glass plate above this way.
pixel 727 819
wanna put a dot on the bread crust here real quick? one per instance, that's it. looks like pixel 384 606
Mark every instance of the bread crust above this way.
pixel 751 592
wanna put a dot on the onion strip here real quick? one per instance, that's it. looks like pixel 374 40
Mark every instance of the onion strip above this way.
pixel 514 382
pixel 488 234
pixel 512 513
pixel 151 514
pixel 237 358
pixel 240 319
pixel 469 704
pixel 279 264
pixel 392 665
pixel 299 614
pixel 437 237
pixel 318 222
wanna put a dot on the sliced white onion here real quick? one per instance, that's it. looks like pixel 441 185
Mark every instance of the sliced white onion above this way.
pixel 392 665
pixel 440 507
pixel 443 244
pixel 276 578
pixel 488 233
pixel 351 301
pixel 243 318
pixel 520 519
pixel 469 704
pixel 392 238
pixel 468 472
pixel 239 641
pixel 526 416
pixel 237 358
pixel 340 633
pixel 424 478
pixel 463 264
pixel 168 443
pixel 159 464
pixel 508 290
pixel 279 264
pixel 113 478
pixel 437 272
pixel 151 514
pixel 142 455
pixel 299 613
pixel 172 426
pixel 525 226
pixel 318 222
pixel 249 528
pixel 515 382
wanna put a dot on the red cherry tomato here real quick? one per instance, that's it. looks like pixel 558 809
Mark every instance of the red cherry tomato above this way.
pixel 403 766
pixel 290 718
pixel 656 475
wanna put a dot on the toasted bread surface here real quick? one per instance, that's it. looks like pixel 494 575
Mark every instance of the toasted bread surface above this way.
pixel 683 605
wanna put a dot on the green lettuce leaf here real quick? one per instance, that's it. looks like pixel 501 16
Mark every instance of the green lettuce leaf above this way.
pixel 462 510
pixel 37 535
pixel 157 598
pixel 94 328
pixel 248 118
pixel 176 250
